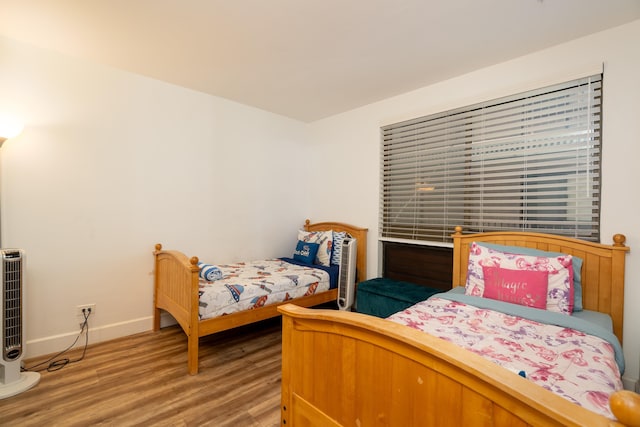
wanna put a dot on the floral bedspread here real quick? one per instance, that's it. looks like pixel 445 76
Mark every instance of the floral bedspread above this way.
pixel 249 285
pixel 570 363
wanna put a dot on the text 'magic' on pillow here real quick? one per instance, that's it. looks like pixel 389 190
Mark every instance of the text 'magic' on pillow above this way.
pixel 528 288
pixel 576 261
pixel 560 279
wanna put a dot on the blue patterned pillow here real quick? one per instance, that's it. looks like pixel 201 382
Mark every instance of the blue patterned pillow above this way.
pixel 209 272
pixel 306 252
pixel 338 238
pixel 324 239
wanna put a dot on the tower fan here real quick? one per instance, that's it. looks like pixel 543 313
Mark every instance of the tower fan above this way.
pixel 12 381
pixel 347 274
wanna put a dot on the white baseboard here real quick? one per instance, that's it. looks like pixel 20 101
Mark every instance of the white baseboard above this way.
pixel 57 343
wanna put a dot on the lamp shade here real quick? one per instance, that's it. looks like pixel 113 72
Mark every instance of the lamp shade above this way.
pixel 10 126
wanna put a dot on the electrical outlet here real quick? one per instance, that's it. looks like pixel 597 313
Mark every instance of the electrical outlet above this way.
pixel 79 313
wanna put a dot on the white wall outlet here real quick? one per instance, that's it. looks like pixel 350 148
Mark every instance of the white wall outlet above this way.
pixel 89 309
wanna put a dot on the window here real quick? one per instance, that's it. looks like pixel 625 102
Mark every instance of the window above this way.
pixel 528 162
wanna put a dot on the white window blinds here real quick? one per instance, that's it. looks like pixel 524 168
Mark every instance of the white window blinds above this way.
pixel 527 162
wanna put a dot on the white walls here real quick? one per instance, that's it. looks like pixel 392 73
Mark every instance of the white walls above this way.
pixel 111 163
pixel 353 139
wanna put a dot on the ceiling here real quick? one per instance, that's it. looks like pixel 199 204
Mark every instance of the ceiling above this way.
pixel 305 59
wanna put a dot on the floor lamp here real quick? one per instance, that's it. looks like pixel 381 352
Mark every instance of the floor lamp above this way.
pixel 10 127
pixel 12 380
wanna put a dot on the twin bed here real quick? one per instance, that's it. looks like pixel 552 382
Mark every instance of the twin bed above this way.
pixel 257 288
pixel 343 368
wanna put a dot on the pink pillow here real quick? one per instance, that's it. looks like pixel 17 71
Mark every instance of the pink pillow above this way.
pixel 560 283
pixel 516 286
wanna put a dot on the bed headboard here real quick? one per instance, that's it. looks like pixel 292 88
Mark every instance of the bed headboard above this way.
pixel 602 267
pixel 358 233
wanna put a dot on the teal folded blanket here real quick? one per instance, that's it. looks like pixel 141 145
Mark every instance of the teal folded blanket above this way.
pixel 382 297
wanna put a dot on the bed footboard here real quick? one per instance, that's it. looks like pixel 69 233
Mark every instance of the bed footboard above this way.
pixel 343 368
pixel 176 291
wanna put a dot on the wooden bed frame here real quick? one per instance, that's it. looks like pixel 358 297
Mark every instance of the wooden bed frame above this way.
pixel 176 291
pixel 342 368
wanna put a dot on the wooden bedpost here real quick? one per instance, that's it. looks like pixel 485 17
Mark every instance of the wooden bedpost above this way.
pixel 156 310
pixel 457 262
pixel 617 284
pixel 194 333
pixel 285 394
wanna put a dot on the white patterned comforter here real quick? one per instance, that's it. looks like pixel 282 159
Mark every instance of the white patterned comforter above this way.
pixel 570 363
pixel 248 285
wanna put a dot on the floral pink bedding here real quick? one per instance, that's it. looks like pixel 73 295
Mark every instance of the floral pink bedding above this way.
pixel 570 363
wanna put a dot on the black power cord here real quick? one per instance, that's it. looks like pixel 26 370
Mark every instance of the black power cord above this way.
pixel 55 364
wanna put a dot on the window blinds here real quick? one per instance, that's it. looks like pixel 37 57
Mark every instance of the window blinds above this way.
pixel 528 162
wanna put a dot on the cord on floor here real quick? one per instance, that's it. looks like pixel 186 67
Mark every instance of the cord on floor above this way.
pixel 55 364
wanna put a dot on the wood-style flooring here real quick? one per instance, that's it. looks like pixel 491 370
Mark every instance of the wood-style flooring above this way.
pixel 142 380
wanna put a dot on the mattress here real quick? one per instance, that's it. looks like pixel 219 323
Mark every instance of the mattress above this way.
pixel 249 285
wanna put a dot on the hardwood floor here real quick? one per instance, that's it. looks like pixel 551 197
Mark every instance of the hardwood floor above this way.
pixel 143 380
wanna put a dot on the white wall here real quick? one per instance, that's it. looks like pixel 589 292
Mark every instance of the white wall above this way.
pixel 111 163
pixel 354 141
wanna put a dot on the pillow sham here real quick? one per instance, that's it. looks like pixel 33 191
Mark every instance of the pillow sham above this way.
pixel 305 252
pixel 576 261
pixel 338 238
pixel 322 238
pixel 560 295
pixel 528 288
pixel 209 272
